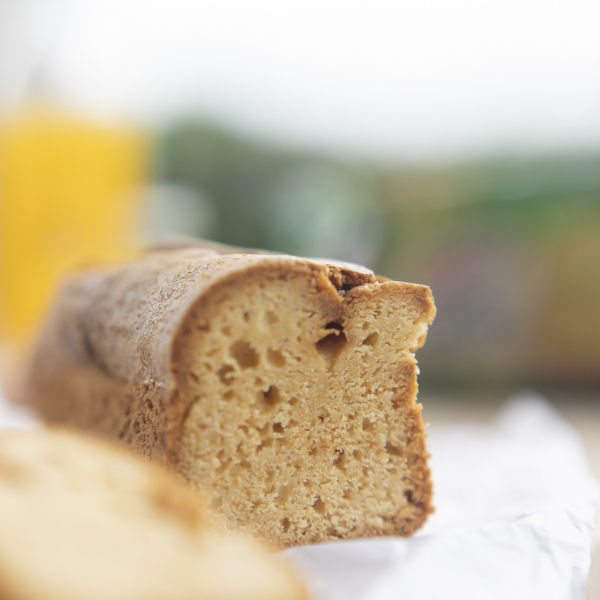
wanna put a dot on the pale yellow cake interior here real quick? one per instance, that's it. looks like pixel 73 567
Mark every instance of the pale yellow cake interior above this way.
pixel 301 416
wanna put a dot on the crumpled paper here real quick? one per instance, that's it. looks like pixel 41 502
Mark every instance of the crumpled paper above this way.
pixel 515 505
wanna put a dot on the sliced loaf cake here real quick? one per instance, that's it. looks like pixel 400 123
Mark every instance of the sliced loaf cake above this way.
pixel 285 388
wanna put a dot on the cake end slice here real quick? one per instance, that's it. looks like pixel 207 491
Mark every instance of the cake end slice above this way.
pixel 298 393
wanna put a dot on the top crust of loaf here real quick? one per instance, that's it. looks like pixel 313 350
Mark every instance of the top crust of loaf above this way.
pixel 121 324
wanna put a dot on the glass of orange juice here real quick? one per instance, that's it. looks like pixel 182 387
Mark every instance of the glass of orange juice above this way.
pixel 68 196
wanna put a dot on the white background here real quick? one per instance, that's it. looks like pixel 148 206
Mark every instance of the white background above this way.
pixel 412 80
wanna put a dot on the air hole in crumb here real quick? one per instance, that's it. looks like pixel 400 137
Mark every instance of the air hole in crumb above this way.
pixel 366 325
pixel 330 346
pixel 244 354
pixel 282 495
pixel 285 524
pixel 228 395
pixel 307 483
pixel 323 416
pixel 272 318
pixel 271 395
pixel 347 494
pixel 357 454
pixel 242 465
pixel 313 452
pixel 367 425
pixel 293 401
pixel 371 339
pixel 266 443
pixel 340 460
pixel 203 326
pixel 393 450
pixel 223 466
pixel 277 427
pixel 194 377
pixel 334 325
pixel 246 316
pixel 319 506
pixel 225 374
pixel 292 423
pixel 275 357
pixel 226 330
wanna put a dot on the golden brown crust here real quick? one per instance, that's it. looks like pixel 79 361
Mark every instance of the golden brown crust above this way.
pixel 108 359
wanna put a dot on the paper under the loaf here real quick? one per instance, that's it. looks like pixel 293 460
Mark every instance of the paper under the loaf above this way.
pixel 514 519
pixel 515 505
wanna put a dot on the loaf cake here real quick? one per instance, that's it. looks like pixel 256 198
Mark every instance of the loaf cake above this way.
pixel 285 388
pixel 82 520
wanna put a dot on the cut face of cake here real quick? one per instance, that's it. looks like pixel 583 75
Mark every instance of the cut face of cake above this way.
pixel 301 408
pixel 283 388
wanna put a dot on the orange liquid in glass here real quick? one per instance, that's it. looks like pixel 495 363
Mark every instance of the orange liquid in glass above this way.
pixel 68 197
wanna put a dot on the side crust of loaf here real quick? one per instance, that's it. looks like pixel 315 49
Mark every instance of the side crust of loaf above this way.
pixel 285 388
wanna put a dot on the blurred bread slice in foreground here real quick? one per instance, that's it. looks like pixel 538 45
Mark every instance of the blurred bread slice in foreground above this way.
pixel 80 519
pixel 283 387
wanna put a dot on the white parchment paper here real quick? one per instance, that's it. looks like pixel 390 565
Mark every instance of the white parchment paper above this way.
pixel 515 505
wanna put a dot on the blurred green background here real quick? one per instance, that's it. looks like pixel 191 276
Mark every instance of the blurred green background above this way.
pixel 510 245
pixel 455 144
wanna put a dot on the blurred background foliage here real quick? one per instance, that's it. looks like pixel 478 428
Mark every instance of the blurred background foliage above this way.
pixel 455 144
pixel 510 246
